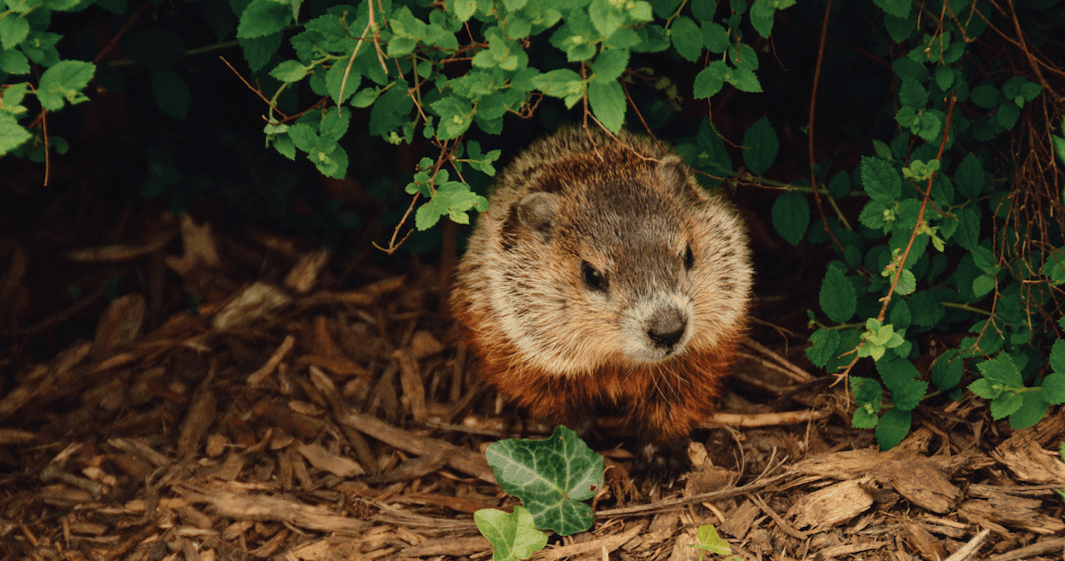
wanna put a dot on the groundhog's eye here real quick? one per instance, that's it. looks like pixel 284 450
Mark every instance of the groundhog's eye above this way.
pixel 689 258
pixel 592 278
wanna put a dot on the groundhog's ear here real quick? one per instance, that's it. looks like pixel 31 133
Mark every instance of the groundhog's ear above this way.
pixel 674 174
pixel 537 211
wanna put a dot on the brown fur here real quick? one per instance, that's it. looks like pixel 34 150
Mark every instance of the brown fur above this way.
pixel 656 339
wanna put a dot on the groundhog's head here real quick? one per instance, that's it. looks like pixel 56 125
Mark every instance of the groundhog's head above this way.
pixel 612 257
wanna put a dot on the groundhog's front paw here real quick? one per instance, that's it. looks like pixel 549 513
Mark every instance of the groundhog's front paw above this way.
pixel 662 464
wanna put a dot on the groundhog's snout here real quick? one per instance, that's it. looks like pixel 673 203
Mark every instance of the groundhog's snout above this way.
pixel 666 327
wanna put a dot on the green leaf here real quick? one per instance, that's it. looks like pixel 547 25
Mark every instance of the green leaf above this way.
pixel 609 65
pixel 944 77
pixel 881 180
pixel 710 80
pixel 1054 268
pixel 947 370
pixel 14 62
pixel 985 389
pixel 63 83
pixel 1053 389
pixel 896 8
pixel 1007 115
pixel 452 199
pixel 13 30
pixel 608 104
pixel 464 9
pixel 262 18
pixel 1002 370
pixel 760 144
pixel 762 12
pixel 708 540
pixel 986 96
pixel 715 37
pixel 907 283
pixel 791 216
pixel 12 135
pixel 606 16
pixel 823 346
pixel 289 71
pixel 170 92
pixel 894 425
pixel 551 477
pixel 1031 411
pixel 1057 357
pixel 837 296
pixel 259 50
pixel 455 113
pixel 913 94
pixel 867 390
pixel 1005 405
pixel 897 372
pixel 687 38
pixel 513 536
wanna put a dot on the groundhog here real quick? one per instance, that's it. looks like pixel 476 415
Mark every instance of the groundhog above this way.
pixel 600 278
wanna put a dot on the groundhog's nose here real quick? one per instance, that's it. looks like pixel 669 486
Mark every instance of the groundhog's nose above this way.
pixel 666 327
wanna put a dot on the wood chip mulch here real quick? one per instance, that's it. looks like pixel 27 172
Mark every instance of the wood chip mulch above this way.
pixel 284 417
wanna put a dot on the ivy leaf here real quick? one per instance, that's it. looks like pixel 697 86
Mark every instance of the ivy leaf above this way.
pixel 551 476
pixel 513 536
pixel 687 38
pixel 837 296
pixel 791 216
pixel 608 104
pixel 760 144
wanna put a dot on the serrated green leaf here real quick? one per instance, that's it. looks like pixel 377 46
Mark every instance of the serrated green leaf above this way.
pixel 894 425
pixel 13 30
pixel 864 419
pixel 1002 370
pixel 744 79
pixel 710 80
pixel 913 94
pixel 12 135
pixel 14 62
pixel 982 285
pixel 897 373
pixel 760 145
pixel 896 8
pixel 867 391
pixel 823 346
pixel 551 477
pixel 985 389
pixel 456 115
pixel 606 16
pixel 1005 405
pixel 687 38
pixel 1052 390
pixel 762 12
pixel 609 65
pixel 464 9
pixel 791 216
pixel 1007 115
pixel 289 71
pixel 881 180
pixel 837 296
pixel 708 540
pixel 715 37
pixel 608 104
pixel 262 18
pixel 63 83
pixel 947 370
pixel 1032 410
pixel 907 283
pixel 944 77
pixel 1057 356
